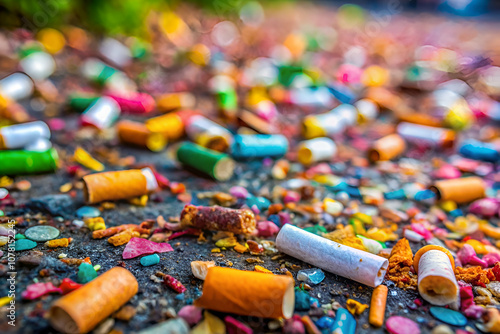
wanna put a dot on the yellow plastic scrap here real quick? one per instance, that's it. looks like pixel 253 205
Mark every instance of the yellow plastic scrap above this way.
pixel 215 250
pixel 355 307
pixel 381 234
pixel 5 300
pixel 122 238
pixel 363 217
pixel 95 224
pixel 226 242
pixel 240 248
pixel 209 325
pixel 462 225
pixel 63 242
pixel 478 246
pixel 84 158
pixel 139 201
pixel 261 269
pixel 448 206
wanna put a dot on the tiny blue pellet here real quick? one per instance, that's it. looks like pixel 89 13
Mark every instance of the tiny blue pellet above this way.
pixel 150 260
pixel 342 93
pixel 353 192
pixel 259 146
pixel 344 322
pixel 477 150
pixel 396 194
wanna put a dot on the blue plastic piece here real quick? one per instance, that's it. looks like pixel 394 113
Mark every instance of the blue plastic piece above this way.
pixel 353 192
pixel 261 203
pixel 342 93
pixel 456 213
pixel 302 301
pixel 341 186
pixel 424 195
pixel 477 150
pixel 344 322
pixel 325 322
pixel 396 194
pixel 259 146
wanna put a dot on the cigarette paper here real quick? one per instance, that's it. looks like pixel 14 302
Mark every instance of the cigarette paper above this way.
pixel 462 190
pixel 355 264
pixel 387 148
pixel 102 113
pixel 138 134
pixel 259 146
pixel 83 309
pixel 217 218
pixel 215 164
pixel 427 135
pixel 21 135
pixel 314 150
pixel 112 186
pixel 377 306
pixel 436 275
pixel 247 293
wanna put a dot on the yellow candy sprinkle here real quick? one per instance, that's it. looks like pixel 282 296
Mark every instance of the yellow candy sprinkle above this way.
pixel 84 158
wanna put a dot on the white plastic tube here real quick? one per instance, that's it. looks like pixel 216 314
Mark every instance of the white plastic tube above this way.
pixel 102 113
pixel 314 150
pixel 352 263
pixel 16 86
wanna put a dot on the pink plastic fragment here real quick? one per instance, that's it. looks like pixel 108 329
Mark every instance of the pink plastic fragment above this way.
pixel 163 182
pixel 56 124
pixel 234 326
pixel 239 192
pixel 486 207
pixel 189 231
pixel 136 103
pixel 294 325
pixel 291 197
pixel 401 325
pixel 191 314
pixel 447 172
pixel 420 229
pixel 37 290
pixel 467 255
pixel 267 229
pixel 491 259
pixel 138 246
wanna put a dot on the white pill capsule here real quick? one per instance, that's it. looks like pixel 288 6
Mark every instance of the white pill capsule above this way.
pixel 41 145
pixel 16 86
pixel 102 114
pixel 437 283
pixel 330 123
pixel 38 65
pixel 367 110
pixel 315 150
pixel 21 135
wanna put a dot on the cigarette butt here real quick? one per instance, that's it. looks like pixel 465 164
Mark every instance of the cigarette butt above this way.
pixel 81 310
pixel 217 218
pixel 377 306
pixel 247 293
pixel 437 283
pixel 387 148
pixel 315 150
pixel 112 186
pixel 138 134
pixel 215 164
pixel 462 190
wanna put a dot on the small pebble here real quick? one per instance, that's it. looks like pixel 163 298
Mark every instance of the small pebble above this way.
pixel 88 212
pixel 42 233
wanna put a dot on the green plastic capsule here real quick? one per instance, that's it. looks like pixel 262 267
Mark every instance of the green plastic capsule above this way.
pixel 218 165
pixel 28 162
pixel 227 100
pixel 81 101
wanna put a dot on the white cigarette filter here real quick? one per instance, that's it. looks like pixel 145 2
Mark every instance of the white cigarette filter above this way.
pixel 102 113
pixel 151 183
pixel 367 110
pixel 352 263
pixel 330 123
pixel 423 134
pixel 201 130
pixel 21 135
pixel 315 150
pixel 38 65
pixel 436 277
pixel 16 86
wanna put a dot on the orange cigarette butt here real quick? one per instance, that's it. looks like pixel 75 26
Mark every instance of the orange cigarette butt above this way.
pixel 112 186
pixel 377 306
pixel 247 293
pixel 83 309
pixel 138 134
pixel 462 190
pixel 387 148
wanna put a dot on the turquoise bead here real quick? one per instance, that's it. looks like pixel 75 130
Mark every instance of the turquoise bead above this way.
pixel 259 146
pixel 86 273
pixel 24 244
pixel 150 260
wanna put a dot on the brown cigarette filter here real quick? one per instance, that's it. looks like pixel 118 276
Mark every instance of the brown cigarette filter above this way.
pixel 218 218
pixel 462 190
pixel 83 309
pixel 247 293
pixel 112 186
pixel 387 148
pixel 138 134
